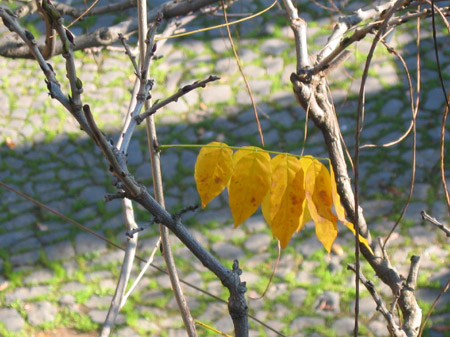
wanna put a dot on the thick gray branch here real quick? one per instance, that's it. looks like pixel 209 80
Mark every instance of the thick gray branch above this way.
pixel 105 36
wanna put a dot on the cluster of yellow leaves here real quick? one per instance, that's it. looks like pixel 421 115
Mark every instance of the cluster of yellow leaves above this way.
pixel 290 190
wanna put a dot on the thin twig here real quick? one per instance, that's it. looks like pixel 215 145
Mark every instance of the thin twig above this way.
pixel 390 319
pixel 337 44
pixel 447 103
pixel 181 92
pixel 414 111
pixel 394 5
pixel 141 274
pixel 129 53
pixel 414 107
pixel 125 270
pixel 443 290
pixel 241 70
pixel 146 50
pixel 434 221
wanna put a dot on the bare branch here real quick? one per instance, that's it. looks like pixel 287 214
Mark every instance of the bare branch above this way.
pixel 309 88
pixel 390 319
pixel 412 314
pixel 434 221
pixel 146 51
pixel 105 36
pixel 181 92
pixel 337 43
pixel 125 270
pixel 129 53
pixel 77 12
pixel 298 26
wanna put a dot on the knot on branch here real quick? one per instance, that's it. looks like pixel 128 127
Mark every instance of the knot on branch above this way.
pixel 304 75
pixel 118 195
pixel 131 233
pixel 237 304
pixel 105 36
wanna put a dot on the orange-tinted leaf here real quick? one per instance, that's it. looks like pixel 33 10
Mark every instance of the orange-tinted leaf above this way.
pixel 9 143
pixel 305 216
pixel 213 171
pixel 249 183
pixel 341 212
pixel 271 203
pixel 287 194
pixel 336 197
pixel 320 200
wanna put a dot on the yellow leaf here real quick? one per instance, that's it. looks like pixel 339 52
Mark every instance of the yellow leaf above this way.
pixel 287 194
pixel 265 208
pixel 245 150
pixel 341 212
pixel 213 170
pixel 305 216
pixel 269 206
pixel 249 183
pixel 320 200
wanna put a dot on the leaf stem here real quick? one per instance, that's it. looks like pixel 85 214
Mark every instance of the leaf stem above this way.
pixel 249 148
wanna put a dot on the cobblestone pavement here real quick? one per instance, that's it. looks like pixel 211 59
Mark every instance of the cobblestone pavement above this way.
pixel 54 277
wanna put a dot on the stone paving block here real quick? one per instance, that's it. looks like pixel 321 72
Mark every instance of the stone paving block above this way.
pixel 273 65
pixel 99 301
pixel 26 293
pixel 24 258
pixel 343 326
pixel 20 207
pixel 434 100
pixel 225 324
pixel 41 312
pixel 273 46
pixel 72 287
pixel 134 156
pixel 220 45
pixel 422 235
pixel 93 193
pixel 227 251
pixel 373 208
pixel 87 243
pixel 258 243
pixel 69 301
pixel 39 276
pixel 379 329
pixel 303 322
pixel 97 275
pixel 309 246
pixel 298 296
pixel 52 236
pixel 216 93
pixel 188 159
pixel 226 65
pixel 60 250
pixel 110 257
pixel 12 238
pixel 99 316
pixel 11 319
pixel 128 332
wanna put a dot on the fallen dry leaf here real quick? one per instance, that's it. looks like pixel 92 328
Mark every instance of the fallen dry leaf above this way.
pixel 10 143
